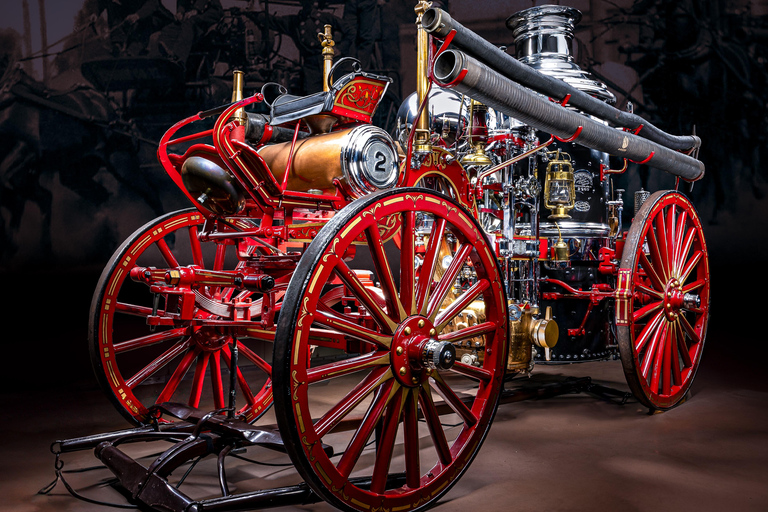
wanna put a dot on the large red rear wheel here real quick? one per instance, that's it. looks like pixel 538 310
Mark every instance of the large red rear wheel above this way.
pixel 138 366
pixel 662 308
pixel 405 418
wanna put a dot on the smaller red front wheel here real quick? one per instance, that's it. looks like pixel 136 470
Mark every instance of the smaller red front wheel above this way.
pixel 182 360
pixel 662 309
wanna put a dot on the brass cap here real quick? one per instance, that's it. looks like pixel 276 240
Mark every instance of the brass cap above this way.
pixel 545 333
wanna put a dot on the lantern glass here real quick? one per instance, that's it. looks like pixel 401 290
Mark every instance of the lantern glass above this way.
pixel 559 192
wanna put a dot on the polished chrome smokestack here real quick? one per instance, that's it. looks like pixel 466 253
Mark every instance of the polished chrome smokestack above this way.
pixel 544 41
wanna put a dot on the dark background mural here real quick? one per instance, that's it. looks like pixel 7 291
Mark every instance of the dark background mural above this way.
pixel 89 86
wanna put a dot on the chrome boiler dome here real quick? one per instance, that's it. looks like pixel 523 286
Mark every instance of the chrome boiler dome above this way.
pixel 446 116
pixel 544 40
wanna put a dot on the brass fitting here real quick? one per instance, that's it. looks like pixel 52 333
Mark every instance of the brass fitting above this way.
pixel 528 331
pixel 520 347
pixel 238 83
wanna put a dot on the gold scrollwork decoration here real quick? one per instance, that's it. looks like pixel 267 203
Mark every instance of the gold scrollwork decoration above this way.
pixel 340 490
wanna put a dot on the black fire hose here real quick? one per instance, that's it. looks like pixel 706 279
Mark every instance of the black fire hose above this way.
pixel 469 76
pixel 439 23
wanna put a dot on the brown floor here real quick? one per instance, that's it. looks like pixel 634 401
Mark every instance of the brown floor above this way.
pixel 572 452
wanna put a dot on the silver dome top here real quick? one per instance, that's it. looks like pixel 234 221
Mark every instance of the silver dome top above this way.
pixel 544 40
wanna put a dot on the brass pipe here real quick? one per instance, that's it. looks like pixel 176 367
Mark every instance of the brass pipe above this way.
pixel 238 81
pixel 326 41
pixel 421 140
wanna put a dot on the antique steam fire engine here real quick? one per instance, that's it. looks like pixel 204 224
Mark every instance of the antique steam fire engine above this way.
pixel 414 273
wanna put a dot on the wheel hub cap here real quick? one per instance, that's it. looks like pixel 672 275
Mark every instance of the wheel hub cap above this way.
pixel 208 338
pixel 416 351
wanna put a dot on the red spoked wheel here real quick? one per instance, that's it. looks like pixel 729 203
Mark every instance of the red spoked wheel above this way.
pixel 185 361
pixel 404 416
pixel 662 309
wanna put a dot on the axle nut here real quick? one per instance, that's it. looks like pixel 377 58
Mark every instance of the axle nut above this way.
pixel 438 354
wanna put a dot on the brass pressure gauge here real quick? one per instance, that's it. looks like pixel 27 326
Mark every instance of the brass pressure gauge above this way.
pixel 559 185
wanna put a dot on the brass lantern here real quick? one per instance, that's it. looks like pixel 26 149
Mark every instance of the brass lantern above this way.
pixel 559 186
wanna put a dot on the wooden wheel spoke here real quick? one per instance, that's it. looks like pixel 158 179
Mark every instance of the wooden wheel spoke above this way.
pixel 453 400
pixel 254 358
pixel 349 328
pixel 679 234
pixel 656 255
pixel 197 250
pixel 446 282
pixel 427 270
pixel 473 372
pixel 666 363
pixel 364 295
pixel 685 248
pixel 168 256
pixel 652 354
pixel 149 340
pixel 649 330
pixel 689 330
pixel 675 363
pixel 383 270
pixel 386 443
pixel 646 310
pixel 216 383
pixel 372 381
pixel 380 400
pixel 197 383
pixel 411 440
pixel 662 238
pixel 407 262
pixel 347 366
pixel 682 346
pixel 656 280
pixel 657 358
pixel 695 259
pixel 695 285
pixel 461 302
pixel 469 332
pixel 670 236
pixel 433 423
pixel 319 336
pixel 173 383
pixel 132 309
pixel 650 291
pixel 159 362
